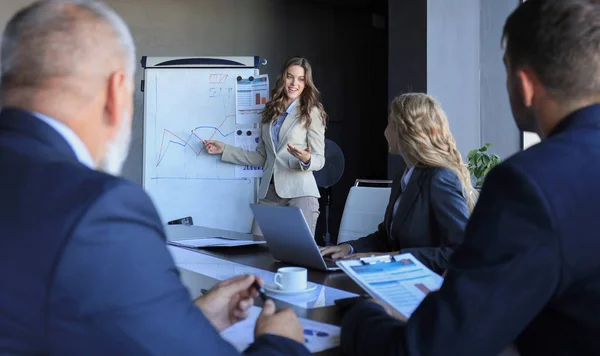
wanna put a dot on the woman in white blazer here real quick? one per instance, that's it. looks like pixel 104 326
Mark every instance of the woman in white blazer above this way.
pixel 291 145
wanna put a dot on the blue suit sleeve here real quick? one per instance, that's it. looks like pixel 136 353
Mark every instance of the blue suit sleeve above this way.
pixel 374 242
pixel 116 289
pixel 450 213
pixel 499 279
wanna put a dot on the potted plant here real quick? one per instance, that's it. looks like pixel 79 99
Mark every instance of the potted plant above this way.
pixel 481 162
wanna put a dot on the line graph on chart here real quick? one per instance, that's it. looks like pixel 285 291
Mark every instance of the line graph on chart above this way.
pixel 181 154
pixel 193 135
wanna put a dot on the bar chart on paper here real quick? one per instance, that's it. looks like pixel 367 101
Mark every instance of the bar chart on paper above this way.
pixel 184 108
pixel 252 94
pixel 317 336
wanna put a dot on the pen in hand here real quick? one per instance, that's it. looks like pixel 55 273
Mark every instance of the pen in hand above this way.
pixel 255 285
pixel 260 290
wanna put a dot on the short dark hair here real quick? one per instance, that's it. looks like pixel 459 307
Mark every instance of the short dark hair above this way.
pixel 560 41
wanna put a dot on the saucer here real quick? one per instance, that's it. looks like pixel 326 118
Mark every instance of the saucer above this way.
pixel 272 287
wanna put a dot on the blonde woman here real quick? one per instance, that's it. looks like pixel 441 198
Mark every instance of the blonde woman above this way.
pixel 431 201
pixel 291 145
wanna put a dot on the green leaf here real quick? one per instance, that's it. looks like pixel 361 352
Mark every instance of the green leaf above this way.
pixel 480 162
pixel 479 172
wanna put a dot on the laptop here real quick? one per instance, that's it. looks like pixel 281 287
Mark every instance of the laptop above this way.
pixel 289 237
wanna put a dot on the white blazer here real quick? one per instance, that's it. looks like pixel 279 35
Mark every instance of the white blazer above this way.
pixel 292 180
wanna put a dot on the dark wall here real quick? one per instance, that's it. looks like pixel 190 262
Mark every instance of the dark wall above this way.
pixel 407 63
pixel 356 103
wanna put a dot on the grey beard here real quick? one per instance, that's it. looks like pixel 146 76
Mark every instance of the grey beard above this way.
pixel 117 151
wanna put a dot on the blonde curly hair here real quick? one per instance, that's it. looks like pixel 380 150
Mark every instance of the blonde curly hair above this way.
pixel 425 140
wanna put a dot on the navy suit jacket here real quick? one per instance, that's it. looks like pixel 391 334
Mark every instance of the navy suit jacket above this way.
pixel 430 220
pixel 528 271
pixel 83 265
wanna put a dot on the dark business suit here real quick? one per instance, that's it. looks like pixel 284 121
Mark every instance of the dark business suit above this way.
pixel 83 264
pixel 528 270
pixel 430 220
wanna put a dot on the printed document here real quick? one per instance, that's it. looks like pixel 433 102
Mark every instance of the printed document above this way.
pixel 214 242
pixel 317 336
pixel 247 139
pixel 250 99
pixel 217 268
pixel 400 281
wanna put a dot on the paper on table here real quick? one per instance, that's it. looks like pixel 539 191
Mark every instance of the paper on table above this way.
pixel 402 284
pixel 250 99
pixel 247 139
pixel 214 242
pixel 318 336
pixel 220 269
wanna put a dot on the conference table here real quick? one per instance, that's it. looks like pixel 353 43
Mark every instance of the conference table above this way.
pixel 257 256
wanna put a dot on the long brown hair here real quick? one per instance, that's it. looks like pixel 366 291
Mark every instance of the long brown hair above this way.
pixel 425 138
pixel 309 98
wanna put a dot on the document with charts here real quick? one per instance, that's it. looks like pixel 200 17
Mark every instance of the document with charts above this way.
pixel 251 96
pixel 400 281
pixel 247 139
pixel 317 336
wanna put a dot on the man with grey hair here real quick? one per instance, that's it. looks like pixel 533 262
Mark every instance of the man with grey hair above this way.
pixel 83 265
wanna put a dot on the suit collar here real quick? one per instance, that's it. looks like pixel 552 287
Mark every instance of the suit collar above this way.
pixel 584 117
pixel 26 124
pixel 408 198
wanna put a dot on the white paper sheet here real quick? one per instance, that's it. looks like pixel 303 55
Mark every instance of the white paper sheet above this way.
pixel 250 99
pixel 402 284
pixel 215 242
pixel 247 139
pixel 220 269
pixel 318 336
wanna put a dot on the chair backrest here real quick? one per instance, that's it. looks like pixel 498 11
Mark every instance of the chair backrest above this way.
pixel 364 210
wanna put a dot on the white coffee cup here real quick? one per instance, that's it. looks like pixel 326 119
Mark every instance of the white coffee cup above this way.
pixel 291 278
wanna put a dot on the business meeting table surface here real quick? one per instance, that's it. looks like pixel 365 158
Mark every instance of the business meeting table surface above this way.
pixel 258 256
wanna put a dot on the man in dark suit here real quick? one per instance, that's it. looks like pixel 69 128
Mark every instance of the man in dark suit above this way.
pixel 528 271
pixel 83 265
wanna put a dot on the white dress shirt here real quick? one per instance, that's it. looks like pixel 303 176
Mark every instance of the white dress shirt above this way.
pixel 81 152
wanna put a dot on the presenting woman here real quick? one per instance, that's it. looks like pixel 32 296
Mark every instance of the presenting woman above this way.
pixel 291 145
pixel 431 200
